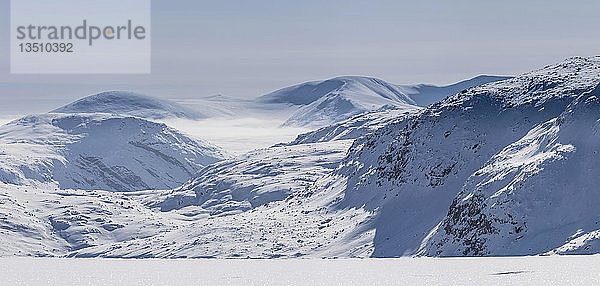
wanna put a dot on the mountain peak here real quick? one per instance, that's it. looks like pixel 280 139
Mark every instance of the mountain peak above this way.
pixel 324 102
pixel 128 103
pixel 357 87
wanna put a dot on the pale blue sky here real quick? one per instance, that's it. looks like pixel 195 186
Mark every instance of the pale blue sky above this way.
pixel 248 48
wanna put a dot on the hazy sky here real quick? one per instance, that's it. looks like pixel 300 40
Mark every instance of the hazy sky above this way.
pixel 248 48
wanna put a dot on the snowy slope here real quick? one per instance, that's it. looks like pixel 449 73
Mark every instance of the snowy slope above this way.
pixel 367 122
pixel 427 94
pixel 100 151
pixel 253 179
pixel 540 194
pixel 130 104
pixel 410 171
pixel 254 207
pixel 357 126
pixel 321 103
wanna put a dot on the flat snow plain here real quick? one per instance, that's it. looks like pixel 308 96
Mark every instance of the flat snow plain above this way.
pixel 539 270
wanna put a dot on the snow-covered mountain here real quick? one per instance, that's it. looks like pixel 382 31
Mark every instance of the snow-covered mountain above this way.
pixel 535 196
pixel 504 168
pixel 100 151
pixel 410 172
pixel 353 87
pixel 427 94
pixel 321 103
pixel 255 207
pixel 130 104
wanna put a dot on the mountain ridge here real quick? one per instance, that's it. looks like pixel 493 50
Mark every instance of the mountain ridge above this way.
pixel 427 94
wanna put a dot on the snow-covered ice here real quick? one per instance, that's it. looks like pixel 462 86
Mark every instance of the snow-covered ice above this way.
pixel 554 270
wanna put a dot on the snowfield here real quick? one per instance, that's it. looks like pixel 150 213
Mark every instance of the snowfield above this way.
pixel 554 270
pixel 47 221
